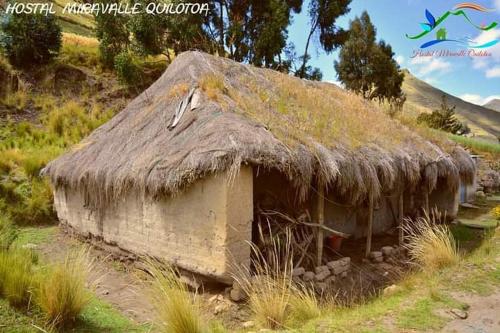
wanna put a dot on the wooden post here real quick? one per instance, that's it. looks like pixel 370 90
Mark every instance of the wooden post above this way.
pixel 426 203
pixel 370 226
pixel 321 220
pixel 401 219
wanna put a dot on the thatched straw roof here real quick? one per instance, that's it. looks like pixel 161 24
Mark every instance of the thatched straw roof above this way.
pixel 238 114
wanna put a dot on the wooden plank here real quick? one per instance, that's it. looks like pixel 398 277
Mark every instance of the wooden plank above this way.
pixel 321 221
pixel 426 203
pixel 370 226
pixel 401 219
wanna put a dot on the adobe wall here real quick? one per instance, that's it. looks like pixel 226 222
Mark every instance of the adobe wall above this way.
pixel 205 229
pixel 354 220
pixel 445 200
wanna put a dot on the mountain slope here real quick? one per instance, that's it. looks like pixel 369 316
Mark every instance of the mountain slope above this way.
pixel 422 97
pixel 493 105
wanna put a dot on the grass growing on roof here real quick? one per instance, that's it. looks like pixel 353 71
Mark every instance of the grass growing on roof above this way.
pixel 297 110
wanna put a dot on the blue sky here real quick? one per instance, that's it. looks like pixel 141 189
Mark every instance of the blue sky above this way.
pixel 476 79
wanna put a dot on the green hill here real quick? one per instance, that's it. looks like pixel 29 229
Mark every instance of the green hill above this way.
pixel 422 97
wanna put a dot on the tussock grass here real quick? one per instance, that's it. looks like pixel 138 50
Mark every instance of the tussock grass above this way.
pixel 275 300
pixel 79 51
pixel 430 242
pixel 61 291
pixel 177 310
pixel 16 276
pixel 25 149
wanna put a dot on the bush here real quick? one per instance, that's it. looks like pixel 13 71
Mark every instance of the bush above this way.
pixel 29 40
pixel 430 243
pixel 61 293
pixel 177 310
pixel 444 119
pixel 126 68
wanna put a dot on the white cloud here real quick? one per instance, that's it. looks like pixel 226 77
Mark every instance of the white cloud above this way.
pixel 477 99
pixel 400 59
pixel 487 63
pixel 493 72
pixel 428 65
pixel 497 4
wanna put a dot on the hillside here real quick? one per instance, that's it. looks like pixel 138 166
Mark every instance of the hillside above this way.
pixel 493 105
pixel 422 97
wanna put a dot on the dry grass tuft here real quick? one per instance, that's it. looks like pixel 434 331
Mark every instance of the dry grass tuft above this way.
pixel 62 292
pixel 274 299
pixel 177 309
pixel 430 242
pixel 16 276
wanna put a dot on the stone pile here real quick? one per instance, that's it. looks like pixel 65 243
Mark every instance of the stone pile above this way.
pixel 323 276
pixel 389 254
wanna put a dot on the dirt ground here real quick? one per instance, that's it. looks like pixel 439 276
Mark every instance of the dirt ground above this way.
pixel 483 315
pixel 116 283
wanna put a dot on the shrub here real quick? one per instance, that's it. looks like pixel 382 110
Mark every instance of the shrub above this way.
pixel 444 119
pixel 430 243
pixel 177 310
pixel 29 39
pixel 126 68
pixel 16 276
pixel 61 293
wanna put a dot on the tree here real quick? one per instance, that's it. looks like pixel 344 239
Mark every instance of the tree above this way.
pixel 113 35
pixel 251 31
pixel 444 119
pixel 323 15
pixel 367 67
pixel 29 40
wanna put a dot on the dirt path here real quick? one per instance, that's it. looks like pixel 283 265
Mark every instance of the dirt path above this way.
pixel 117 283
pixel 483 314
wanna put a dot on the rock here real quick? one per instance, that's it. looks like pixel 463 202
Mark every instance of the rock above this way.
pixel 299 271
pixel 212 299
pixel 105 292
pixel 391 290
pixel 340 269
pixel 330 280
pixel 387 250
pixel 219 308
pixel 343 275
pixel 322 275
pixel 248 324
pixel 480 195
pixel 237 294
pixel 459 313
pixel 308 276
pixel 320 269
pixel 375 254
pixel 345 261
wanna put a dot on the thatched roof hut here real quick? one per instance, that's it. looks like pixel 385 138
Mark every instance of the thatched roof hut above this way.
pixel 208 115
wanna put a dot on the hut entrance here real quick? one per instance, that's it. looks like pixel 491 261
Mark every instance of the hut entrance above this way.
pixel 278 211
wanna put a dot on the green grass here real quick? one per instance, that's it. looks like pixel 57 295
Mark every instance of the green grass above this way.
pixel 98 317
pixel 422 297
pixel 477 146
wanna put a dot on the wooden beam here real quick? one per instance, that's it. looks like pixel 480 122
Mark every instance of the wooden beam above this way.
pixel 426 203
pixel 370 226
pixel 321 220
pixel 401 219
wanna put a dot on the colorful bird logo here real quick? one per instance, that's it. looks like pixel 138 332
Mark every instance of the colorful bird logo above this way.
pixel 441 35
